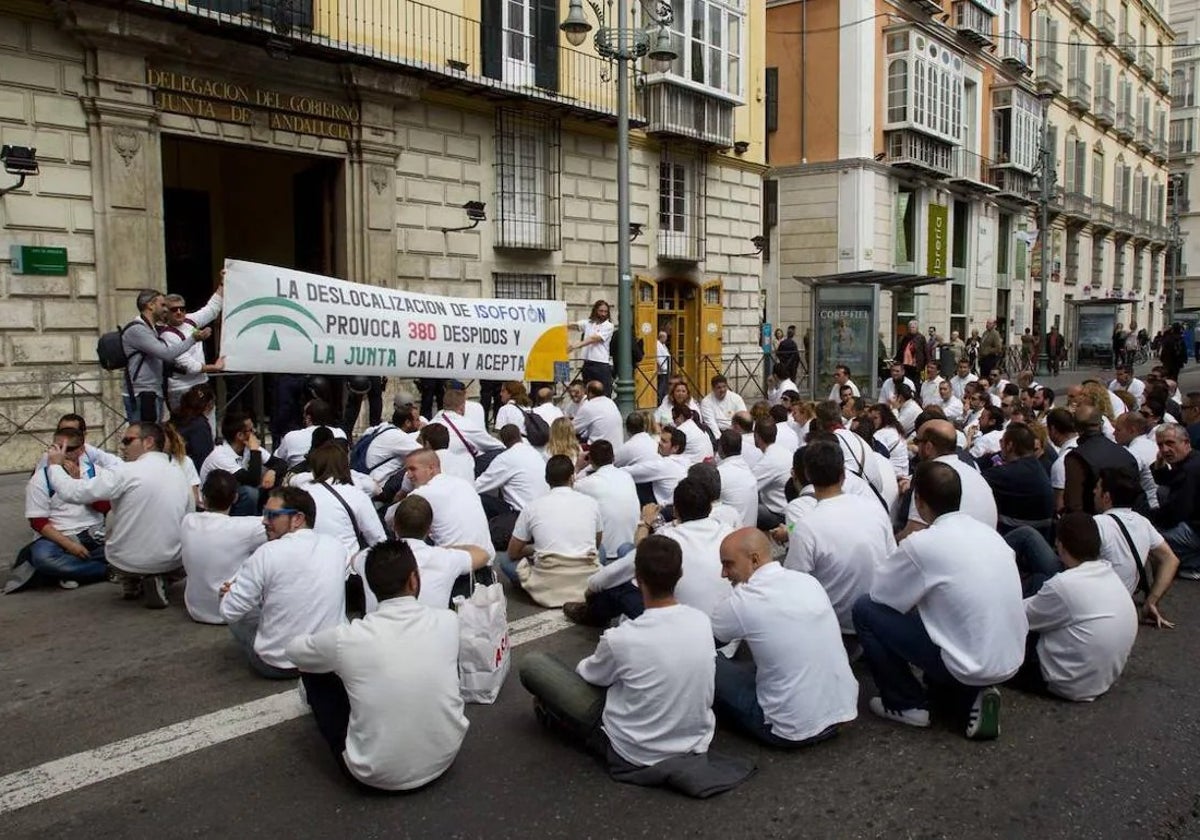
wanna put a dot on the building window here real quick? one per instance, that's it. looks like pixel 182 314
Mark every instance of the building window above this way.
pixel 897 97
pixel 523 286
pixel 925 86
pixel 1119 265
pixel 708 39
pixel 1075 171
pixel 1097 260
pixel 960 235
pixel 1098 174
pixel 1016 128
pixel 520 42
pixel 680 206
pixel 527 180
pixel 1138 263
pixel 1181 136
pixel 1003 242
pixel 1183 86
pixel 1177 192
pixel 906 226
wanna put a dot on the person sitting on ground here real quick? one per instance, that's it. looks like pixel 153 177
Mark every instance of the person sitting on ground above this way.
pixel 393 722
pixel 555 544
pixel 984 441
pixel 772 472
pixel 514 403
pixel 649 687
pixel 664 472
pixel 215 545
pixel 904 403
pixel 699 445
pixel 563 441
pixel 616 494
pixel 149 496
pixel 69 548
pixel 514 478
pixel 844 539
pixel 1020 485
pixel 1060 428
pixel 390 443
pixel 241 456
pixel 641 441
pixel 955 613
pixel 296 444
pixel 191 418
pixel 710 478
pixel 1178 517
pixel 781 382
pixel 1082 623
pixel 717 409
pixel 1092 453
pixel 936 441
pixel 599 418
pixel 343 510
pixel 1134 431
pixel 102 459
pixel 739 487
pixel 291 586
pixel 799 687
pixel 435 438
pixel 458 516
pixel 896 377
pixel 544 407
pixel 678 394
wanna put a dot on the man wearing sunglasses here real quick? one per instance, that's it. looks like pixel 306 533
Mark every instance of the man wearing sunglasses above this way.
pixel 149 496
pixel 190 369
pixel 146 352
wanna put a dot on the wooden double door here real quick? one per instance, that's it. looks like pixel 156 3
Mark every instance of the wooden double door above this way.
pixel 691 314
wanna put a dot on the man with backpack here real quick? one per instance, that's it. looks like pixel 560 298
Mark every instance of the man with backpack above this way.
pixel 380 450
pixel 140 351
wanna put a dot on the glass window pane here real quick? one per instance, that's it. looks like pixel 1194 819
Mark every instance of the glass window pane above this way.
pixel 714 25
pixel 698 20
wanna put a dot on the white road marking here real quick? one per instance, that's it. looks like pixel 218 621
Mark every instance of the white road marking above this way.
pixel 63 775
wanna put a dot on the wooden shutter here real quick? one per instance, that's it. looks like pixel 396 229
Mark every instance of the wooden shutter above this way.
pixel 711 340
pixel 545 39
pixel 772 97
pixel 491 36
pixel 645 311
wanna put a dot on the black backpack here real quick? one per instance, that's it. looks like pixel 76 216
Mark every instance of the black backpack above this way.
pixel 110 349
pixel 537 430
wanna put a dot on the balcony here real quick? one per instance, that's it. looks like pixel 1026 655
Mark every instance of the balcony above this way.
pixel 1106 26
pixel 1141 229
pixel 447 49
pixel 1081 9
pixel 1012 184
pixel 970 170
pixel 1123 223
pixel 913 150
pixel 1127 46
pixel 678 111
pixel 1077 205
pixel 1014 50
pixel 1048 74
pixel 1104 111
pixel 1124 125
pixel 1181 146
pixel 1159 234
pixel 1079 95
pixel 1102 216
pixel 1162 80
pixel 1142 140
pixel 930 7
pixel 972 23
pixel 1146 63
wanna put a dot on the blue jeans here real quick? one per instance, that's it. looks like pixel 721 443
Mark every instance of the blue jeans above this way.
pixel 137 408
pixel 1036 560
pixel 246 503
pixel 892 640
pixel 508 566
pixel 51 560
pixel 1185 543
pixel 735 702
pixel 244 632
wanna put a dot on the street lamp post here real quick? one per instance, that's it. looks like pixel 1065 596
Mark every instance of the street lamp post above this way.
pixel 1176 248
pixel 1047 190
pixel 623 45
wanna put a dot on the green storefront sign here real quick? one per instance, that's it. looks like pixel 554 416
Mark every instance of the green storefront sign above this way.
pixel 33 259
pixel 939 240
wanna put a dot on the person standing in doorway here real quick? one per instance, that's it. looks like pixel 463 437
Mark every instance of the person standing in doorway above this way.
pixel 596 345
pixel 663 359
pixel 991 348
pixel 788 353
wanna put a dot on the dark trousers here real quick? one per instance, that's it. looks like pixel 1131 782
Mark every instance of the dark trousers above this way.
pixel 735 702
pixel 608 604
pixel 1036 560
pixel 663 379
pixel 494 506
pixel 287 406
pixel 1029 677
pixel 600 372
pixel 374 406
pixel 489 398
pixel 986 365
pixel 914 374
pixel 331 710
pixel 432 391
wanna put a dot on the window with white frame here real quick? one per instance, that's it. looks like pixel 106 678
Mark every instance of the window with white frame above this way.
pixel 708 36
pixel 1098 174
pixel 925 85
pixel 1181 136
pixel 527 180
pixel 680 206
pixel 1016 128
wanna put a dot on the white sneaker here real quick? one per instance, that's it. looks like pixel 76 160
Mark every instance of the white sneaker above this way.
pixel 909 717
pixel 1188 574
pixel 68 584
pixel 983 722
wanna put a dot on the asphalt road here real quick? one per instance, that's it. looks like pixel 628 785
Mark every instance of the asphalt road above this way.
pixel 80 670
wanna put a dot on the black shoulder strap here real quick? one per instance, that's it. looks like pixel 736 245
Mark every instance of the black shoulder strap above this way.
pixel 358 534
pixel 1143 579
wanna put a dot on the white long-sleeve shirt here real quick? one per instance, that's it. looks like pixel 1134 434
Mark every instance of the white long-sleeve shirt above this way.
pixel 772 472
pixel 332 518
pixel 641 447
pixel 739 488
pixel 149 500
pixel 214 547
pixel 600 419
pixel 296 584
pixel 663 473
pixel 192 359
pixel 519 473
pixel 616 494
pixel 406 713
pixel 470 438
pixel 718 414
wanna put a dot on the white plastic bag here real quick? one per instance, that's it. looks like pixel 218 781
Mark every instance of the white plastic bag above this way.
pixel 483 653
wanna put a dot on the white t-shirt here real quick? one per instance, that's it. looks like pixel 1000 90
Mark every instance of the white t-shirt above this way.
pixel 659 670
pixel 888 390
pixel 439 569
pixel 1058 470
pixel 775 395
pixel 214 547
pixel 952 408
pixel 332 518
pixel 563 522
pixel 772 473
pixel 835 393
pixel 929 390
pixel 1088 624
pixel 640 447
pixel 223 457
pixel 907 414
pixel 1145 451
pixel 361 481
pixel 467 436
pixel 600 419
pixel 958 384
pixel 1136 389
pixel 786 436
pixel 897 449
pixel 616 494
pixel 739 488
pixel 978 501
pixel 839 545
pixel 662 473
pixel 1114 548
pixel 699 446
pixel 386 453
pixel 987 443
pixel 68 517
pixel 804 683
pixel 856 455
pixel 718 414
pixel 548 412
pixel 600 351
pixel 511 414
pixel 962 578
pixel 458 517
pixel 519 473
pixel 294 446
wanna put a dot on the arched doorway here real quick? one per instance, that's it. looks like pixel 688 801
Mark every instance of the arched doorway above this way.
pixel 691 316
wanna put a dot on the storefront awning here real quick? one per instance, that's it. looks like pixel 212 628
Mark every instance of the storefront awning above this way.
pixel 888 281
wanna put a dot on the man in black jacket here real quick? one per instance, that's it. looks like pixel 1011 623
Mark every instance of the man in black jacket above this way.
pixel 1177 517
pixel 1021 485
pixel 1093 453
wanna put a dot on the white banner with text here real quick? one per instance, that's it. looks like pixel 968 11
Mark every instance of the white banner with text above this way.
pixel 277 320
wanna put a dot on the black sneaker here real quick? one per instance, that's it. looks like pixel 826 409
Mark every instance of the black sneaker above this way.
pixel 131 587
pixel 154 592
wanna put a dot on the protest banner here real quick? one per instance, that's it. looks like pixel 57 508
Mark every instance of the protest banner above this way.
pixel 277 320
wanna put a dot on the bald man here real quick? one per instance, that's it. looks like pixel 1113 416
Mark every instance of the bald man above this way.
pixel 799 688
pixel 1092 453
pixel 936 441
pixel 458 517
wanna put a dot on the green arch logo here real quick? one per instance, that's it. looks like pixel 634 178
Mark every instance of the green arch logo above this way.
pixel 275 319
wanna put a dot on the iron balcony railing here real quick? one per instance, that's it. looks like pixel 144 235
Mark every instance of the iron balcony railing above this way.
pixel 1079 94
pixel 444 47
pixel 1127 44
pixel 1106 25
pixel 1048 74
pixel 970 168
pixel 1077 204
pixel 1125 125
pixel 1104 110
pixel 1146 62
pixel 1162 80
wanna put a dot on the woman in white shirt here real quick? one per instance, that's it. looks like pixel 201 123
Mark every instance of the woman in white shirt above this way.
pixel 515 402
pixel 890 434
pixel 906 407
pixel 343 511
pixel 563 441
pixel 597 332
pixel 176 450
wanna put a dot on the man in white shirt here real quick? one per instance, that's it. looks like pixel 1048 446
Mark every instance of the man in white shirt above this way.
pixel 611 591
pixel 651 680
pixel 666 470
pixel 1126 381
pixel 897 377
pixel 189 368
pixel 436 438
pixel 933 378
pixel 295 445
pixel 781 383
pixel 1133 431
pixel 599 418
pixel 936 441
pixel 458 516
pixel 241 456
pixel 555 544
pixel 215 545
pixel 639 444
pixel 1060 428
pixel 771 472
pixel 662 366
pixel 70 543
pixel 962 375
pixel 841 379
pixel 514 478
pixel 544 407
pixel 467 435
pixel 616 494
pixel 576 397
pixel 1082 623
pixel 384 690
pixel 845 537
pixel 293 585
pixel 950 405
pixel 952 611
pixel 699 446
pixel 388 444
pixel 717 409
pixel 986 440
pixel 739 485
pixel 149 496
pixel 799 689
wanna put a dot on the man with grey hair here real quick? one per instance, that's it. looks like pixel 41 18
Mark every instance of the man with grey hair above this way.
pixel 190 369
pixel 1178 516
pixel 145 352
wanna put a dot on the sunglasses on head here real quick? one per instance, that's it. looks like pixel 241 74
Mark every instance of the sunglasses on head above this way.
pixel 271 514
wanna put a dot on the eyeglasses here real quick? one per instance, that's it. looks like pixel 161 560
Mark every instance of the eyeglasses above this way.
pixel 125 441
pixel 177 309
pixel 74 448
pixel 271 514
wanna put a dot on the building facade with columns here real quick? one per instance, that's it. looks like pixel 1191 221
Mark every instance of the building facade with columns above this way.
pixel 906 137
pixel 343 139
